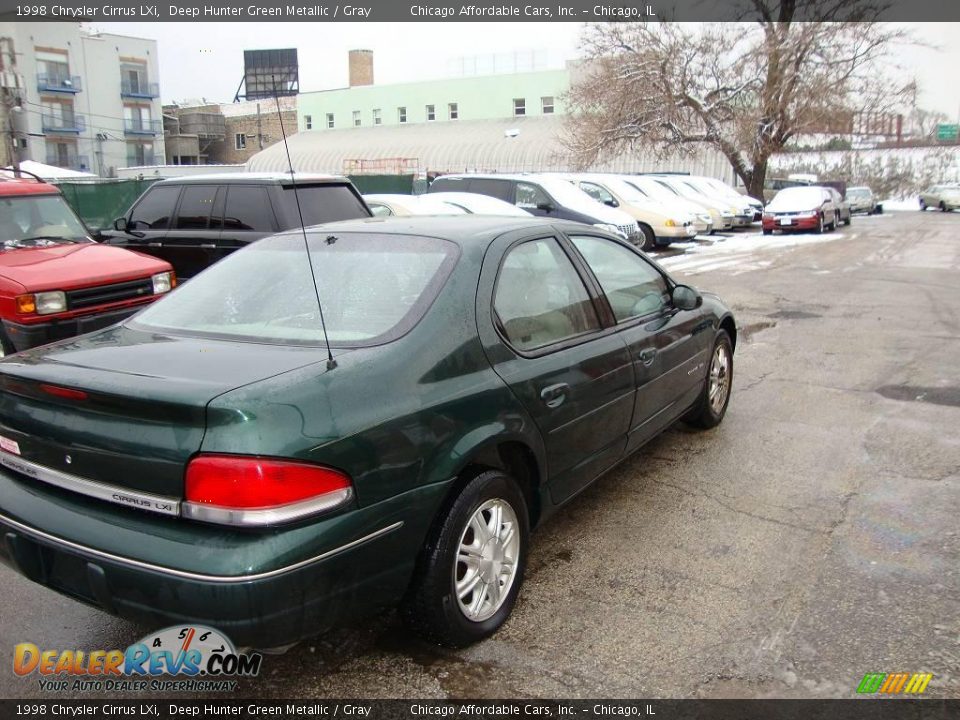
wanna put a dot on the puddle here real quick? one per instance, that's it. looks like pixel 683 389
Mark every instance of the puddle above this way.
pixel 794 315
pixel 949 396
pixel 745 332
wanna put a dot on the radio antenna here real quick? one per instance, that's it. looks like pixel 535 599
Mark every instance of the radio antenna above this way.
pixel 331 363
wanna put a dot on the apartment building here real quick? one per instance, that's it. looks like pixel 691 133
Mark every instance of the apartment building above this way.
pixel 92 101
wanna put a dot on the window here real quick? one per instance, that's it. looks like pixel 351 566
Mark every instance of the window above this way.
pixel 330 121
pixel 248 208
pixel 633 286
pixel 530 197
pixel 195 207
pixel 308 122
pixel 431 113
pixel 133 78
pixel 546 104
pixel 519 107
pixel 356 118
pixel 500 189
pixel 453 112
pixel 240 141
pixel 319 204
pixel 154 211
pixel 540 299
pixel 139 153
pixel 401 114
pixel 598 193
pixel 377 118
pixel 374 288
pixel 379 210
pixel 137 118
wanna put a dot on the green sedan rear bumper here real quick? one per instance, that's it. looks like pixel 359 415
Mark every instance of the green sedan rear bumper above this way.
pixel 263 589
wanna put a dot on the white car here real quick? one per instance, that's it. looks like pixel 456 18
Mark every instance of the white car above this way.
pixel 655 192
pixel 477 204
pixel 660 222
pixel 382 205
pixel 741 214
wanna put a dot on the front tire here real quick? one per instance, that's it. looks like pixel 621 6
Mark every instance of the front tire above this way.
pixel 649 238
pixel 712 404
pixel 923 205
pixel 469 575
pixel 6 345
pixel 820 226
pixel 943 206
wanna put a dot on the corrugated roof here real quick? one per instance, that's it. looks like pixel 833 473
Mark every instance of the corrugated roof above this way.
pixel 464 146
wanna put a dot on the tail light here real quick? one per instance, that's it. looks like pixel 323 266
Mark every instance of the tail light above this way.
pixel 253 491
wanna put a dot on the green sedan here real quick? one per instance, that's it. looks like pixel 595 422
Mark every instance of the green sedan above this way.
pixel 214 460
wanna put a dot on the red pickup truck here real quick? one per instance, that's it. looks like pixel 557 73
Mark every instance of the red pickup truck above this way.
pixel 55 280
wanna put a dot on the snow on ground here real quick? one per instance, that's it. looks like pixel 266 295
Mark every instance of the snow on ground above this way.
pixel 737 253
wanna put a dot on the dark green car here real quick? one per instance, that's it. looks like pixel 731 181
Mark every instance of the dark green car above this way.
pixel 205 461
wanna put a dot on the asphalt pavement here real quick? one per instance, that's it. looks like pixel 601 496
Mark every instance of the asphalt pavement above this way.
pixel 812 538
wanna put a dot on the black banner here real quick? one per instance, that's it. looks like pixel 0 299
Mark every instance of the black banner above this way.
pixel 856 709
pixel 485 10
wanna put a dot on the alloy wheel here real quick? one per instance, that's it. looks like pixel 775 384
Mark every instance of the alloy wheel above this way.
pixel 719 379
pixel 487 560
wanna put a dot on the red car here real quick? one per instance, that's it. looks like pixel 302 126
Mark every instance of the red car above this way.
pixel 806 208
pixel 55 280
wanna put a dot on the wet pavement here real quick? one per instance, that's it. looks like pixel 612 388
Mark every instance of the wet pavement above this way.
pixel 811 538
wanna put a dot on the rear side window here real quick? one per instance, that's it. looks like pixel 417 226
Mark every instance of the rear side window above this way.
pixel 319 204
pixel 449 184
pixel 248 208
pixel 540 299
pixel 499 189
pixel 195 207
pixel 154 211
pixel 530 197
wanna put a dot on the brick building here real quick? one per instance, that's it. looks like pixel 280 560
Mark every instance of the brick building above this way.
pixel 225 134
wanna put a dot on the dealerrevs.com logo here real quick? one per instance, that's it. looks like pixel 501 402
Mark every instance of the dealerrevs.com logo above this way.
pixel 198 658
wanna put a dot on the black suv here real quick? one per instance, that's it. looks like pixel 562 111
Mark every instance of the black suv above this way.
pixel 191 222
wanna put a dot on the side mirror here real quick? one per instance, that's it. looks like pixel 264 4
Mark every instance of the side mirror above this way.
pixel 686 298
pixel 120 224
pixel 546 207
pixel 611 203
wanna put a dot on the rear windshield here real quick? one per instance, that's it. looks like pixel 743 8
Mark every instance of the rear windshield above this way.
pixel 320 204
pixel 373 287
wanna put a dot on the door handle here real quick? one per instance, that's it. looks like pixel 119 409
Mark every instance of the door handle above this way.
pixel 554 395
pixel 647 356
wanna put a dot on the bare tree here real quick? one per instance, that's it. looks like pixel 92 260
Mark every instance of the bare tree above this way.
pixel 743 88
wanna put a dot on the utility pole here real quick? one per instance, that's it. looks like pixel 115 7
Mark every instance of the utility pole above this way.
pixel 259 128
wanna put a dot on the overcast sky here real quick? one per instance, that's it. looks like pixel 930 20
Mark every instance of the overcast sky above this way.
pixel 206 59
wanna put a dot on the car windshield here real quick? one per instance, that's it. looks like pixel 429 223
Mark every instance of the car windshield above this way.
pixel 374 287
pixel 38 221
pixel 797 198
pixel 858 193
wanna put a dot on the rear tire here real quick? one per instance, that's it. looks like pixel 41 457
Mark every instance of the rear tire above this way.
pixel 649 238
pixel 712 404
pixel 847 220
pixel 768 232
pixel 923 205
pixel 456 556
pixel 943 206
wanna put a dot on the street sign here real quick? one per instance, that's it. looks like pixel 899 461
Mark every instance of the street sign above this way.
pixel 947 131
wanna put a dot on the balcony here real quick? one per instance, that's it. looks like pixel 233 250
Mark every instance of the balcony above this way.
pixel 140 159
pixel 67 123
pixel 137 126
pixel 71 161
pixel 142 90
pixel 59 83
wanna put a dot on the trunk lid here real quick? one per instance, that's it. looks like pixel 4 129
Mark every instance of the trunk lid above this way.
pixel 140 412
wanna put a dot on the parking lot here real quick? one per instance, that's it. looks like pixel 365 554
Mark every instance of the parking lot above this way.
pixel 809 539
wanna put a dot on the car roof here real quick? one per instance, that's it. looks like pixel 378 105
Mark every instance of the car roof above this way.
pixel 25 186
pixel 461 229
pixel 275 178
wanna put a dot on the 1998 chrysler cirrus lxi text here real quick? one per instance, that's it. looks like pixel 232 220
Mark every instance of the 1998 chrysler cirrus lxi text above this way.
pixel 206 461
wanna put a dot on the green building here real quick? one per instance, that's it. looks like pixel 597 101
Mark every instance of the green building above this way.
pixel 488 97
